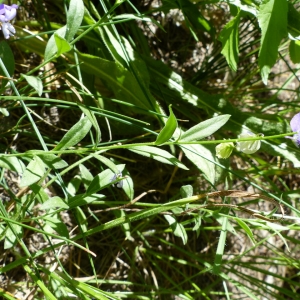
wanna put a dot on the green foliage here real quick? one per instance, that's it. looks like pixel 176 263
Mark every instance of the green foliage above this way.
pixel 105 192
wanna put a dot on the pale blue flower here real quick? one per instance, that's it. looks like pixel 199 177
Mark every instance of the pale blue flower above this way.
pixel 7 13
pixel 295 125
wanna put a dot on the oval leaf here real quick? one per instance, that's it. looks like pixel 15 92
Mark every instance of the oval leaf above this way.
pixel 35 82
pixel 204 129
pixel 75 134
pixel 169 129
pixel 74 18
pixel 158 154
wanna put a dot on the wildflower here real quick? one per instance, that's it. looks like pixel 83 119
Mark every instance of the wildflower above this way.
pixel 249 147
pixel 119 184
pixel 224 150
pixel 7 13
pixel 295 125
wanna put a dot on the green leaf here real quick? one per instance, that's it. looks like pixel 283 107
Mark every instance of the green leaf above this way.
pixel 35 82
pixel 169 129
pixel 107 162
pixel 83 199
pixel 51 47
pixel 198 221
pixel 272 18
pixel 186 191
pixel 53 161
pixel 86 175
pixel 204 129
pixel 54 223
pixel 75 134
pixel 294 50
pixel 221 246
pixel 12 163
pixel 122 82
pixel 127 184
pixel 8 59
pixel 177 228
pixel 158 154
pixel 247 230
pixel 62 45
pixel 229 37
pixel 54 202
pixel 34 172
pixel 12 232
pixel 203 159
pixel 74 18
pixel 102 180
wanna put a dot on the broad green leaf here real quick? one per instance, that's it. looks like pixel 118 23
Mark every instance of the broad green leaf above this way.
pixel 74 185
pixel 158 154
pixel 86 175
pixel 40 193
pixel 203 159
pixel 294 50
pixel 53 161
pixel 12 163
pixel 53 203
pixel 51 47
pixel 35 82
pixel 107 162
pixel 205 128
pixel 186 191
pixel 11 234
pixel 54 223
pixel 34 172
pixel 62 45
pixel 229 37
pixel 8 60
pixel 74 18
pixel 91 116
pixel 272 18
pixel 102 180
pixel 177 228
pixel 75 134
pixel 169 129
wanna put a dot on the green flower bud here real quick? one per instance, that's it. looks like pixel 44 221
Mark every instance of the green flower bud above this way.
pixel 224 150
pixel 249 147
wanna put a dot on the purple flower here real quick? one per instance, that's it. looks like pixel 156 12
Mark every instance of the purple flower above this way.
pixel 7 13
pixel 295 125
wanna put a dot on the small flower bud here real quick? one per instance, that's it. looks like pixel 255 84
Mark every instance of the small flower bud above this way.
pixel 249 147
pixel 224 150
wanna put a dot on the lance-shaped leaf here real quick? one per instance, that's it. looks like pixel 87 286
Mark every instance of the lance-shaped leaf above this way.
pixel 205 128
pixel 229 37
pixel 169 129
pixel 75 134
pixel 272 18
pixel 158 154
